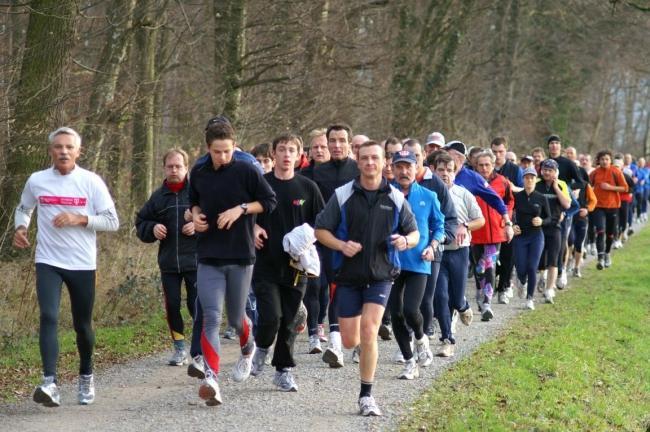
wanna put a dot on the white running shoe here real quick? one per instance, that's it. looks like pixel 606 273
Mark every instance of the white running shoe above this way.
pixel 259 360
pixel 196 368
pixel 561 281
pixel 285 381
pixel 86 391
pixel 486 312
pixel 530 304
pixel 314 345
pixel 368 406
pixel 467 316
pixel 521 288
pixel 178 358
pixel 410 371
pixel 423 353
pixel 209 389
pixel 608 260
pixel 549 295
pixel 509 292
pixel 502 298
pixel 242 369
pixel 576 272
pixel 446 349
pixel 454 321
pixel 333 357
pixel 47 393
pixel 398 357
pixel 356 354
pixel 541 281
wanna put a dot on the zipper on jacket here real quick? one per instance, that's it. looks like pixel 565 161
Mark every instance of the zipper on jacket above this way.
pixel 178 261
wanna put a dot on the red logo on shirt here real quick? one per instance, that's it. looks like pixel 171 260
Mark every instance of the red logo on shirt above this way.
pixel 64 201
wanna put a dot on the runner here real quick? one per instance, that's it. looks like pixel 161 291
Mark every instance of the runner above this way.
pixel 340 170
pixel 224 196
pixel 531 213
pixel 557 194
pixel 449 296
pixel 489 240
pixel 72 204
pixel 366 222
pixel 279 287
pixel 608 183
pixel 162 219
pixel 626 203
pixel 587 202
pixel 317 294
pixel 408 289
pixel 264 156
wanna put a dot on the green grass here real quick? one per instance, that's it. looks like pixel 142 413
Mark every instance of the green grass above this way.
pixel 581 364
pixel 20 361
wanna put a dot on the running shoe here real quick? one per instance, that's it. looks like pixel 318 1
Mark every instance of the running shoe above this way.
pixel 502 298
pixel 486 312
pixel 196 368
pixel 285 381
pixel 242 369
pixel 576 272
pixel 209 389
pixel 356 354
pixel 368 406
pixel 398 357
pixel 608 260
pixel 321 333
pixel 230 333
pixel 467 316
pixel 333 357
pixel 521 288
pixel 314 345
pixel 541 281
pixel 410 371
pixel 257 366
pixel 530 304
pixel 446 349
pixel 86 390
pixel 561 281
pixel 454 321
pixel 431 333
pixel 509 292
pixel 47 393
pixel 593 251
pixel 178 358
pixel 423 352
pixel 549 295
pixel 385 332
pixel 300 320
pixel 601 263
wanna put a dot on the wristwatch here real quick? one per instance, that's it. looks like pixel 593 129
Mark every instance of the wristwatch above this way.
pixel 466 225
pixel 244 207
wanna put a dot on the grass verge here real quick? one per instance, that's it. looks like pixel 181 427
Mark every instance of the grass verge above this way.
pixel 581 364
pixel 20 361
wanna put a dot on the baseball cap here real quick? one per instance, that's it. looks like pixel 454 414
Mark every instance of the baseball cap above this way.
pixel 404 156
pixel 436 138
pixel 553 138
pixel 527 158
pixel 456 145
pixel 529 170
pixel 549 164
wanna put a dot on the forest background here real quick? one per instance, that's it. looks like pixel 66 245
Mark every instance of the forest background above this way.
pixel 138 77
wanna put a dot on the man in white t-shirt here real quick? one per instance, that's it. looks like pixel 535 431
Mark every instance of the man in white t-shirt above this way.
pixel 72 204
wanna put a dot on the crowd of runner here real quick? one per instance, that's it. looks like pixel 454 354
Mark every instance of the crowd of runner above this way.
pixel 375 238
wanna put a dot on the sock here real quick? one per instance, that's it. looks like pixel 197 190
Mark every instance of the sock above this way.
pixel 366 389
pixel 335 340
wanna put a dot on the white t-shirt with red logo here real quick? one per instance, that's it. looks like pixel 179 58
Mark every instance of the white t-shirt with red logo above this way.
pixel 80 192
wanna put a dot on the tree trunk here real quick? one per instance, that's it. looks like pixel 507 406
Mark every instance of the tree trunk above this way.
pixel 230 47
pixel 143 117
pixel 39 95
pixel 118 39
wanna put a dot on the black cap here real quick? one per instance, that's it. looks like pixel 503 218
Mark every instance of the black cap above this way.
pixel 458 146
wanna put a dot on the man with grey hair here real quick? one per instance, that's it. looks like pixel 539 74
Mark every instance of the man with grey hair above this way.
pixel 72 205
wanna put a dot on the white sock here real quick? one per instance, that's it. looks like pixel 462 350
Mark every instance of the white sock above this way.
pixel 335 340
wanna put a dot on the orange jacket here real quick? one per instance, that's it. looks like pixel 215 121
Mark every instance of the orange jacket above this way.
pixel 613 176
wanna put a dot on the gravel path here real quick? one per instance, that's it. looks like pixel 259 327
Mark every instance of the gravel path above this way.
pixel 147 395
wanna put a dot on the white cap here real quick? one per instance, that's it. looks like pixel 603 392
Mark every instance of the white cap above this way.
pixel 436 138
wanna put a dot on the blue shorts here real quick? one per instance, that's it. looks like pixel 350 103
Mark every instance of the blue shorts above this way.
pixel 351 298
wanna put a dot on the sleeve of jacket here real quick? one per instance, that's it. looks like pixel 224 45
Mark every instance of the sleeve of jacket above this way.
pixel 591 197
pixel 145 220
pixel 547 219
pixel 519 179
pixel 436 221
pixel 482 188
pixel 576 179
